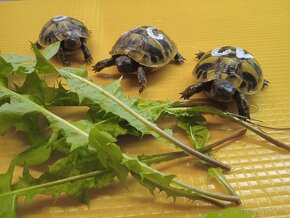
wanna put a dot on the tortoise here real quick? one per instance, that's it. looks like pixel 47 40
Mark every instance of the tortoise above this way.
pixel 142 49
pixel 227 74
pixel 72 34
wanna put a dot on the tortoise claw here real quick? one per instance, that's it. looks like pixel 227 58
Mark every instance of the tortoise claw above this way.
pixel 88 60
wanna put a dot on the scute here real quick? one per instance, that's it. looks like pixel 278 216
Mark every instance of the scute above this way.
pixel 233 64
pixel 146 45
pixel 59 27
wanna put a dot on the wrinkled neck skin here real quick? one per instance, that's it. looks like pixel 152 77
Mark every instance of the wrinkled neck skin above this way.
pixel 126 64
pixel 71 44
pixel 222 91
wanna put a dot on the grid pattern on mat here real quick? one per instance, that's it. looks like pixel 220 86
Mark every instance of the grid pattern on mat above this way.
pixel 260 173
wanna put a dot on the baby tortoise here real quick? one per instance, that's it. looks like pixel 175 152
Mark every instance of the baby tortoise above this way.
pixel 141 49
pixel 227 74
pixel 72 34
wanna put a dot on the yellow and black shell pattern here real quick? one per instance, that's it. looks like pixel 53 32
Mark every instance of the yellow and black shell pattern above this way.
pixel 146 45
pixel 62 27
pixel 233 64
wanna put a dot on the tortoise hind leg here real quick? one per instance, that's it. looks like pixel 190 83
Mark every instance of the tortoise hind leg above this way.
pixel 199 54
pixel 141 79
pixel 178 58
pixel 87 53
pixel 196 88
pixel 242 104
pixel 103 64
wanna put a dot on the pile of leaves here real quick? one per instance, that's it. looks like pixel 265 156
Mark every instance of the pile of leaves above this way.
pixel 89 156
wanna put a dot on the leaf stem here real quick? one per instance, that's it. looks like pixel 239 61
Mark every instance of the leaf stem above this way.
pixel 227 186
pixel 214 144
pixel 209 194
pixel 154 159
pixel 57 182
pixel 162 133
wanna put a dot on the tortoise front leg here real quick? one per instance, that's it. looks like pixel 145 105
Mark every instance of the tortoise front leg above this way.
pixel 141 79
pixel 87 53
pixel 178 58
pixel 103 64
pixel 61 56
pixel 37 45
pixel 196 88
pixel 265 83
pixel 242 104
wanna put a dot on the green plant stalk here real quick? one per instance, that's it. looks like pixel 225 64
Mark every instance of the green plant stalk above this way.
pixel 150 159
pixel 234 119
pixel 18 192
pixel 155 128
pixel 212 145
pixel 227 186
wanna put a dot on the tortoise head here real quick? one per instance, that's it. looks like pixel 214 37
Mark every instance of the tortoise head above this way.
pixel 222 90
pixel 126 64
pixel 72 42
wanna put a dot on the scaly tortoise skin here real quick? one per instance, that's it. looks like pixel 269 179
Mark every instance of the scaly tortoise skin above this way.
pixel 227 74
pixel 72 34
pixel 141 49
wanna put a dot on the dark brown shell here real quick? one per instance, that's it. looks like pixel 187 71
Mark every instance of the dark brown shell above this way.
pixel 146 45
pixel 60 27
pixel 233 64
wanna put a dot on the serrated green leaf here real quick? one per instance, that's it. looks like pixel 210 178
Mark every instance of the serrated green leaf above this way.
pixel 8 203
pixel 38 90
pixel 109 154
pixel 13 111
pixel 5 67
pixel 151 109
pixel 20 64
pixel 230 213
pixel 80 71
pixel 87 90
pixel 3 81
pixel 72 175
pixel 21 107
pixel 17 58
pixel 34 156
pixel 153 179
pixel 42 64
pixel 30 125
pixel 198 134
pixel 51 50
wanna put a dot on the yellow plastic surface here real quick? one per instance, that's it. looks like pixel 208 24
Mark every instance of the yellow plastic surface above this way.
pixel 260 171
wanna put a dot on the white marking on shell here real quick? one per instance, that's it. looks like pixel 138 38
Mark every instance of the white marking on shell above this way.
pixel 150 33
pixel 241 53
pixel 215 52
pixel 59 18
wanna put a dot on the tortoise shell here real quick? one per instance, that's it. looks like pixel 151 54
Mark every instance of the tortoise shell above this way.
pixel 233 64
pixel 62 27
pixel 146 45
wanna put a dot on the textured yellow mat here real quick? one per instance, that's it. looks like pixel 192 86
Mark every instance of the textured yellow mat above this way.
pixel 260 172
